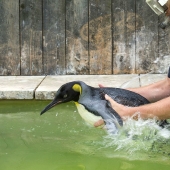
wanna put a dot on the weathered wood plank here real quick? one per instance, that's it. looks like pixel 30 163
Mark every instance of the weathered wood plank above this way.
pixel 81 37
pixel 124 18
pixel 163 61
pixel 146 39
pixel 77 37
pixel 9 38
pixel 31 37
pixel 54 36
pixel 100 37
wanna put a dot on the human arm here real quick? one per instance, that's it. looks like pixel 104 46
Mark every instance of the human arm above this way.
pixel 153 92
pixel 168 10
pixel 156 91
pixel 159 109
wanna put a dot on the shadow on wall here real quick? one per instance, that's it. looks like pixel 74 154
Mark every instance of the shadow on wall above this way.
pixel 98 33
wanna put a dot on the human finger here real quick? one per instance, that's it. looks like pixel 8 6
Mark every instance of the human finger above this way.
pixel 99 123
pixel 100 85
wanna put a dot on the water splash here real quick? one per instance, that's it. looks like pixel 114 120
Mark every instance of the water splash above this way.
pixel 137 136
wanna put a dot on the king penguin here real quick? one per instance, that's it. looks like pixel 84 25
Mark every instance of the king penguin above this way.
pixel 91 103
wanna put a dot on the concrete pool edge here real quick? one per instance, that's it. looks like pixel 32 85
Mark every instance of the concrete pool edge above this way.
pixel 44 87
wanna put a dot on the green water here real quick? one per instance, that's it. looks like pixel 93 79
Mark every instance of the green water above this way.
pixel 61 140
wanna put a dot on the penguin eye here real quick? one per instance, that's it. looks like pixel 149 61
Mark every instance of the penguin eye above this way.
pixel 65 96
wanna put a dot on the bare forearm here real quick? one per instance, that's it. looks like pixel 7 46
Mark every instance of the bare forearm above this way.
pixel 168 10
pixel 160 110
pixel 155 91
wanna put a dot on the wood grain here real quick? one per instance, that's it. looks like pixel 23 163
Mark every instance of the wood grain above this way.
pixel 9 38
pixel 162 63
pixel 54 36
pixel 31 37
pixel 59 37
pixel 146 39
pixel 77 59
pixel 100 37
pixel 124 19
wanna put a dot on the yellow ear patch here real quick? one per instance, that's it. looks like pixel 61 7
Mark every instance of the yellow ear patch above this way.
pixel 77 88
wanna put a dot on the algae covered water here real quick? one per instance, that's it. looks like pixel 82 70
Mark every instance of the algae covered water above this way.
pixel 61 140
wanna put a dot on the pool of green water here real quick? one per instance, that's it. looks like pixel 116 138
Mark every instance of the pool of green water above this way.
pixel 61 140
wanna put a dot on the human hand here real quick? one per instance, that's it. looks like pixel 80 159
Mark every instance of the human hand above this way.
pixel 99 123
pixel 100 85
pixel 119 108
pixel 113 103
pixel 168 10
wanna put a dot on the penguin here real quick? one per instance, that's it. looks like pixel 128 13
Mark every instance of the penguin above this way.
pixel 91 103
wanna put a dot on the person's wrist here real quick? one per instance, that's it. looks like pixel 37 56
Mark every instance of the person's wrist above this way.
pixel 167 12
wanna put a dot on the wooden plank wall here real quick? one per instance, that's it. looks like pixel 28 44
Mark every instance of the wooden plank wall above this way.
pixel 58 37
pixel 124 36
pixel 31 37
pixel 77 57
pixel 9 38
pixel 54 36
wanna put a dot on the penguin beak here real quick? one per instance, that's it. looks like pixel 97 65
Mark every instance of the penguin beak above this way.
pixel 51 105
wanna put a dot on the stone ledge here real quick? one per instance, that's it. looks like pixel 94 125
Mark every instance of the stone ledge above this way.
pixel 51 84
pixel 44 87
pixel 19 87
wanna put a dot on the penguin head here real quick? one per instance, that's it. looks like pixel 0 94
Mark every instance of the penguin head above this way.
pixel 66 93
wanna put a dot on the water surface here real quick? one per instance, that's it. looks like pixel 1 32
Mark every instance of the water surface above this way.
pixel 61 140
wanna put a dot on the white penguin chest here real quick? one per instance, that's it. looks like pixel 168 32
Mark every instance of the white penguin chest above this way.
pixel 87 116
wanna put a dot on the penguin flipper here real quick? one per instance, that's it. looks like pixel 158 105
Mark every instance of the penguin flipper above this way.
pixel 113 112
pixel 112 119
pixel 103 109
